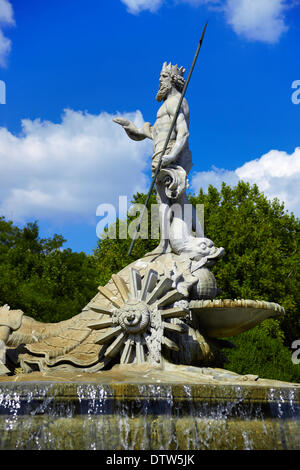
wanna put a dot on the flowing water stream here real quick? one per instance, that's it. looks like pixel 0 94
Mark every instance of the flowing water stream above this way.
pixel 152 416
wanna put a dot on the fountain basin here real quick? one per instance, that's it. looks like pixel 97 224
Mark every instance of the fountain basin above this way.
pixel 141 408
pixel 225 318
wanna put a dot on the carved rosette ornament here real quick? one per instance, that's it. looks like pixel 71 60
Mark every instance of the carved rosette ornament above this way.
pixel 136 329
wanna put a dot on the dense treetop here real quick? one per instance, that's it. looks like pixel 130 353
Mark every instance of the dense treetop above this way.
pixel 39 277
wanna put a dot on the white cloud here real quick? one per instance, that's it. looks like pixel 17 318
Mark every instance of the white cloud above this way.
pixel 6 18
pixel 214 177
pixel 276 173
pixel 136 6
pixel 6 12
pixel 64 171
pixel 256 20
pixel 196 3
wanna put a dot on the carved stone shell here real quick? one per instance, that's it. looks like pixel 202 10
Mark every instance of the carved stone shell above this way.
pixel 206 287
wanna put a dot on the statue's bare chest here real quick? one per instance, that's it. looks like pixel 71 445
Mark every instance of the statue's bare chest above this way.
pixel 163 122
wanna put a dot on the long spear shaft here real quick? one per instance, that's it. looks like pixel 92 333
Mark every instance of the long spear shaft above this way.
pixel 168 138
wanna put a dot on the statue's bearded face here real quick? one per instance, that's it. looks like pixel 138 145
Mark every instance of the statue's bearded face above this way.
pixel 165 86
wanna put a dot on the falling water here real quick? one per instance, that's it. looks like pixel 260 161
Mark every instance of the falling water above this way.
pixel 209 416
pixel 157 409
pixel 95 403
pixel 285 410
pixel 151 416
pixel 22 417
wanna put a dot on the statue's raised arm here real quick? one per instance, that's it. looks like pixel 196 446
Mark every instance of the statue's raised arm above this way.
pixel 132 131
pixel 171 83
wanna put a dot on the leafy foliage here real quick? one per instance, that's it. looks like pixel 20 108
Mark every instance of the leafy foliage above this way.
pixel 255 352
pixel 262 257
pixel 39 277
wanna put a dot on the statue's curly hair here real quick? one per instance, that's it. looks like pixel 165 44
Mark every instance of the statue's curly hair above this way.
pixel 178 81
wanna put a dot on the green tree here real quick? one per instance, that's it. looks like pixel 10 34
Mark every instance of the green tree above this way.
pixel 256 352
pixel 39 277
pixel 262 258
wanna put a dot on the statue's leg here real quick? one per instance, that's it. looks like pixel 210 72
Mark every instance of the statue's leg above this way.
pixel 191 217
pixel 184 222
pixel 187 164
pixel 164 221
pixel 177 217
pixel 10 321
pixel 4 333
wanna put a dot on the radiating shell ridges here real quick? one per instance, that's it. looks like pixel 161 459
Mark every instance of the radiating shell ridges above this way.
pixel 136 324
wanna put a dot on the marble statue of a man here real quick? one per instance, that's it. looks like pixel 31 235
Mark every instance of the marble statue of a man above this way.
pixel 171 184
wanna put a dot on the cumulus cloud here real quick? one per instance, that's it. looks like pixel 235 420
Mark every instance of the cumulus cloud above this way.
pixel 64 171
pixel 214 177
pixel 276 173
pixel 256 20
pixel 6 19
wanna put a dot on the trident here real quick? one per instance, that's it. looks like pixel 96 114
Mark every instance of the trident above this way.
pixel 167 139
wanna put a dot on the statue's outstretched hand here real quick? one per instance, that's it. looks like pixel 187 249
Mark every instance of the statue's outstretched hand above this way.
pixel 132 131
pixel 129 128
pixel 123 122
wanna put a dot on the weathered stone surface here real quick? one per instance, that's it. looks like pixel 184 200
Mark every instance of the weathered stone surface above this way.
pixel 10 318
pixel 224 318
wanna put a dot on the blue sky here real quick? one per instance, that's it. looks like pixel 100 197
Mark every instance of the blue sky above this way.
pixel 70 66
